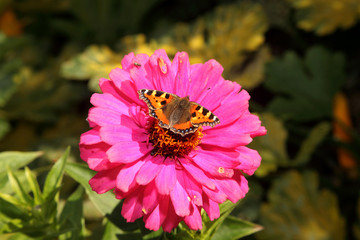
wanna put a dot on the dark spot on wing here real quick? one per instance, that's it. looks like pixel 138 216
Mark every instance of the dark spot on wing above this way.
pixel 149 92
pixel 197 108
pixel 163 102
pixel 158 94
pixel 211 116
pixel 167 96
pixel 193 114
pixel 205 111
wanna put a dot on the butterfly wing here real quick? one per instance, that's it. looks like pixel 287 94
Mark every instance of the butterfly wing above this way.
pixel 157 102
pixel 184 126
pixel 200 116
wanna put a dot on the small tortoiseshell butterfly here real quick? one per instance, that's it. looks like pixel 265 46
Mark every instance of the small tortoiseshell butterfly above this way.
pixel 180 115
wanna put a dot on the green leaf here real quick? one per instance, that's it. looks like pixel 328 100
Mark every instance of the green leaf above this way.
pixel 34 185
pixel 12 211
pixel 234 228
pixel 308 146
pixel 298 210
pixel 71 216
pixel 308 86
pixel 94 63
pixel 7 84
pixel 4 127
pixel 15 160
pixel 19 189
pixel 5 185
pixel 54 177
pixel 210 227
pixel 106 202
pixel 112 231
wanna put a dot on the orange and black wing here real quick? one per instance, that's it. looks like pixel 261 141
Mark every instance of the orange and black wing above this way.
pixel 200 116
pixel 157 101
pixel 184 125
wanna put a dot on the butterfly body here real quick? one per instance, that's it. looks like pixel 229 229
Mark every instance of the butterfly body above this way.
pixel 180 115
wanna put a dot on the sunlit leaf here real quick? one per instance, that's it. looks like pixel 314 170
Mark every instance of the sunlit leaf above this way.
pixel 94 63
pixel 54 177
pixel 15 160
pixel 251 74
pixel 308 86
pixel 19 189
pixel 228 35
pixel 34 185
pixel 324 17
pixel 297 209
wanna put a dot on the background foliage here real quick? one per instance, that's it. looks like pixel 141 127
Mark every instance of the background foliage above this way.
pixel 299 60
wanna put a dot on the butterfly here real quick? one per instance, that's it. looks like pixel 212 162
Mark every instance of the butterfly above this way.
pixel 180 115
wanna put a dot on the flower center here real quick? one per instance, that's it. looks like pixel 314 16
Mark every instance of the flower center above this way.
pixel 172 145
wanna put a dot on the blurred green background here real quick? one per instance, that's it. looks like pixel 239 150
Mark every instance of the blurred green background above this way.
pixel 299 59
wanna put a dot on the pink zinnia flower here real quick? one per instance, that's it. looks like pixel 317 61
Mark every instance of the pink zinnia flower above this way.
pixel 164 177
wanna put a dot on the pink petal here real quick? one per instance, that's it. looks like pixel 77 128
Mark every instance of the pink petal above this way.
pixel 151 198
pixel 181 66
pixel 215 163
pixel 166 178
pixel 250 160
pixel 171 220
pixel 126 178
pixel 226 139
pixel 149 170
pixel 211 98
pixel 113 134
pixel 95 156
pixel 157 217
pixel 211 208
pixel 103 116
pixel 215 195
pixel 162 75
pixel 90 137
pixel 235 188
pixel 198 174
pixel 139 116
pixel 194 219
pixel 260 132
pixel 180 200
pixel 108 86
pixel 104 181
pixel 248 123
pixel 127 152
pixel 127 61
pixel 202 76
pixel 126 86
pixel 131 209
pixel 108 101
pixel 191 187
pixel 118 75
pixel 231 111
